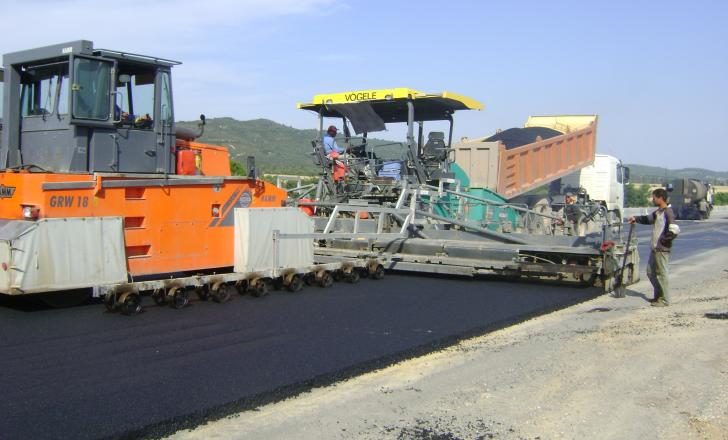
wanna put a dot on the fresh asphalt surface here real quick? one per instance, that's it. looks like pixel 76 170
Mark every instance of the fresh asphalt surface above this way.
pixel 84 373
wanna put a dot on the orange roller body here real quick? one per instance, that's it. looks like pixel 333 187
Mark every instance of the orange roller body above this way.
pixel 174 228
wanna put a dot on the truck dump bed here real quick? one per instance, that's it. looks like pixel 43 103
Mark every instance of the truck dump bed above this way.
pixel 512 172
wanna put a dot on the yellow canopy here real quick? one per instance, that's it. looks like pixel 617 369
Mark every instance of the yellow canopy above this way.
pixel 391 104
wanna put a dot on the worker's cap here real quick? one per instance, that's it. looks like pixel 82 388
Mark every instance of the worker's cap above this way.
pixel 332 129
pixel 569 194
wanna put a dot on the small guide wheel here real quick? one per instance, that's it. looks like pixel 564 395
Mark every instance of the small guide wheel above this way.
pixel 131 303
pixel 326 279
pixel 180 297
pixel 296 283
pixel 159 297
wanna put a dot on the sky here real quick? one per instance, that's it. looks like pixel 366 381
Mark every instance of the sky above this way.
pixel 655 72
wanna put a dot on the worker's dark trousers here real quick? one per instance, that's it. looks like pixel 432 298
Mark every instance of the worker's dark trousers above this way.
pixel 657 273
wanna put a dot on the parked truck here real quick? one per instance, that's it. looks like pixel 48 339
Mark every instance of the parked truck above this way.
pixel 691 199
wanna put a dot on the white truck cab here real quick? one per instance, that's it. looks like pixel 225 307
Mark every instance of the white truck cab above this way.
pixel 603 181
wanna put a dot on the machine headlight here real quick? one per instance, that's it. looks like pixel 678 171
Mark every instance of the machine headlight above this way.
pixel 31 212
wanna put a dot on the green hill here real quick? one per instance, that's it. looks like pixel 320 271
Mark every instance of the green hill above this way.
pixel 650 174
pixel 285 150
pixel 276 147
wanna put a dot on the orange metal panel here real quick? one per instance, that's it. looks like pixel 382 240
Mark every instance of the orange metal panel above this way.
pixel 530 166
pixel 171 229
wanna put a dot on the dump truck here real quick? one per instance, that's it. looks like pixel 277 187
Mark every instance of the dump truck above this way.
pixel 602 182
pixel 691 199
pixel 558 151
pixel 101 193
pixel 421 211
pixel 515 161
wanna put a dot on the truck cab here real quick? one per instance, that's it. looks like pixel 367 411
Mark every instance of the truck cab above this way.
pixel 603 182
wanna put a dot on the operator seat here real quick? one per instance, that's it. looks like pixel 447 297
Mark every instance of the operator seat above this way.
pixel 434 149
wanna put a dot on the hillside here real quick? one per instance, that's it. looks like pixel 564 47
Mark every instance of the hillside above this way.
pixel 276 147
pixel 650 174
pixel 281 149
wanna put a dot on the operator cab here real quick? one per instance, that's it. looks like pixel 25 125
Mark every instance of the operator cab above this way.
pixel 420 158
pixel 71 108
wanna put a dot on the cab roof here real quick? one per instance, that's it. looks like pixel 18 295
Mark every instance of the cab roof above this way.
pixel 391 104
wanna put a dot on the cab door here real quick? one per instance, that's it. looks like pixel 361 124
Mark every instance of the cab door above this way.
pixel 164 125
pixel 135 148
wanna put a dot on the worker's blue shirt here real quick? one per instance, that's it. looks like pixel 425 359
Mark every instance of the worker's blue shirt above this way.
pixel 330 145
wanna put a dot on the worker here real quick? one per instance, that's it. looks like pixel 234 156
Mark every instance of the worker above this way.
pixel 572 213
pixel 333 151
pixel 570 199
pixel 329 139
pixel 664 231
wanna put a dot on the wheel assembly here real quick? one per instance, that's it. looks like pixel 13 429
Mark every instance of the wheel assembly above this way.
pixel 159 297
pixel 203 292
pixel 295 284
pixel 222 292
pixel 242 287
pixel 309 279
pixel 110 302
pixel 325 279
pixel 377 273
pixel 259 287
pixel 130 303
pixel 180 297
pixel 352 277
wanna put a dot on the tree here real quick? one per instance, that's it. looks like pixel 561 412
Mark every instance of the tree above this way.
pixel 237 169
pixel 720 198
pixel 637 195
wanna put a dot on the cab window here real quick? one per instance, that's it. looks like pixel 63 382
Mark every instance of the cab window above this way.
pixel 135 97
pixel 40 87
pixel 166 109
pixel 91 87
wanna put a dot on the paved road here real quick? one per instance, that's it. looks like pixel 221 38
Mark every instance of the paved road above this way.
pixel 82 373
pixel 695 237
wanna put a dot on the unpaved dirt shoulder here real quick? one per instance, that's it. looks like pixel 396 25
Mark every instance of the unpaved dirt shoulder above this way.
pixel 608 368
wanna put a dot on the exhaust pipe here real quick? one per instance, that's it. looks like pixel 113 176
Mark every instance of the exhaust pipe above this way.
pixel 186 134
